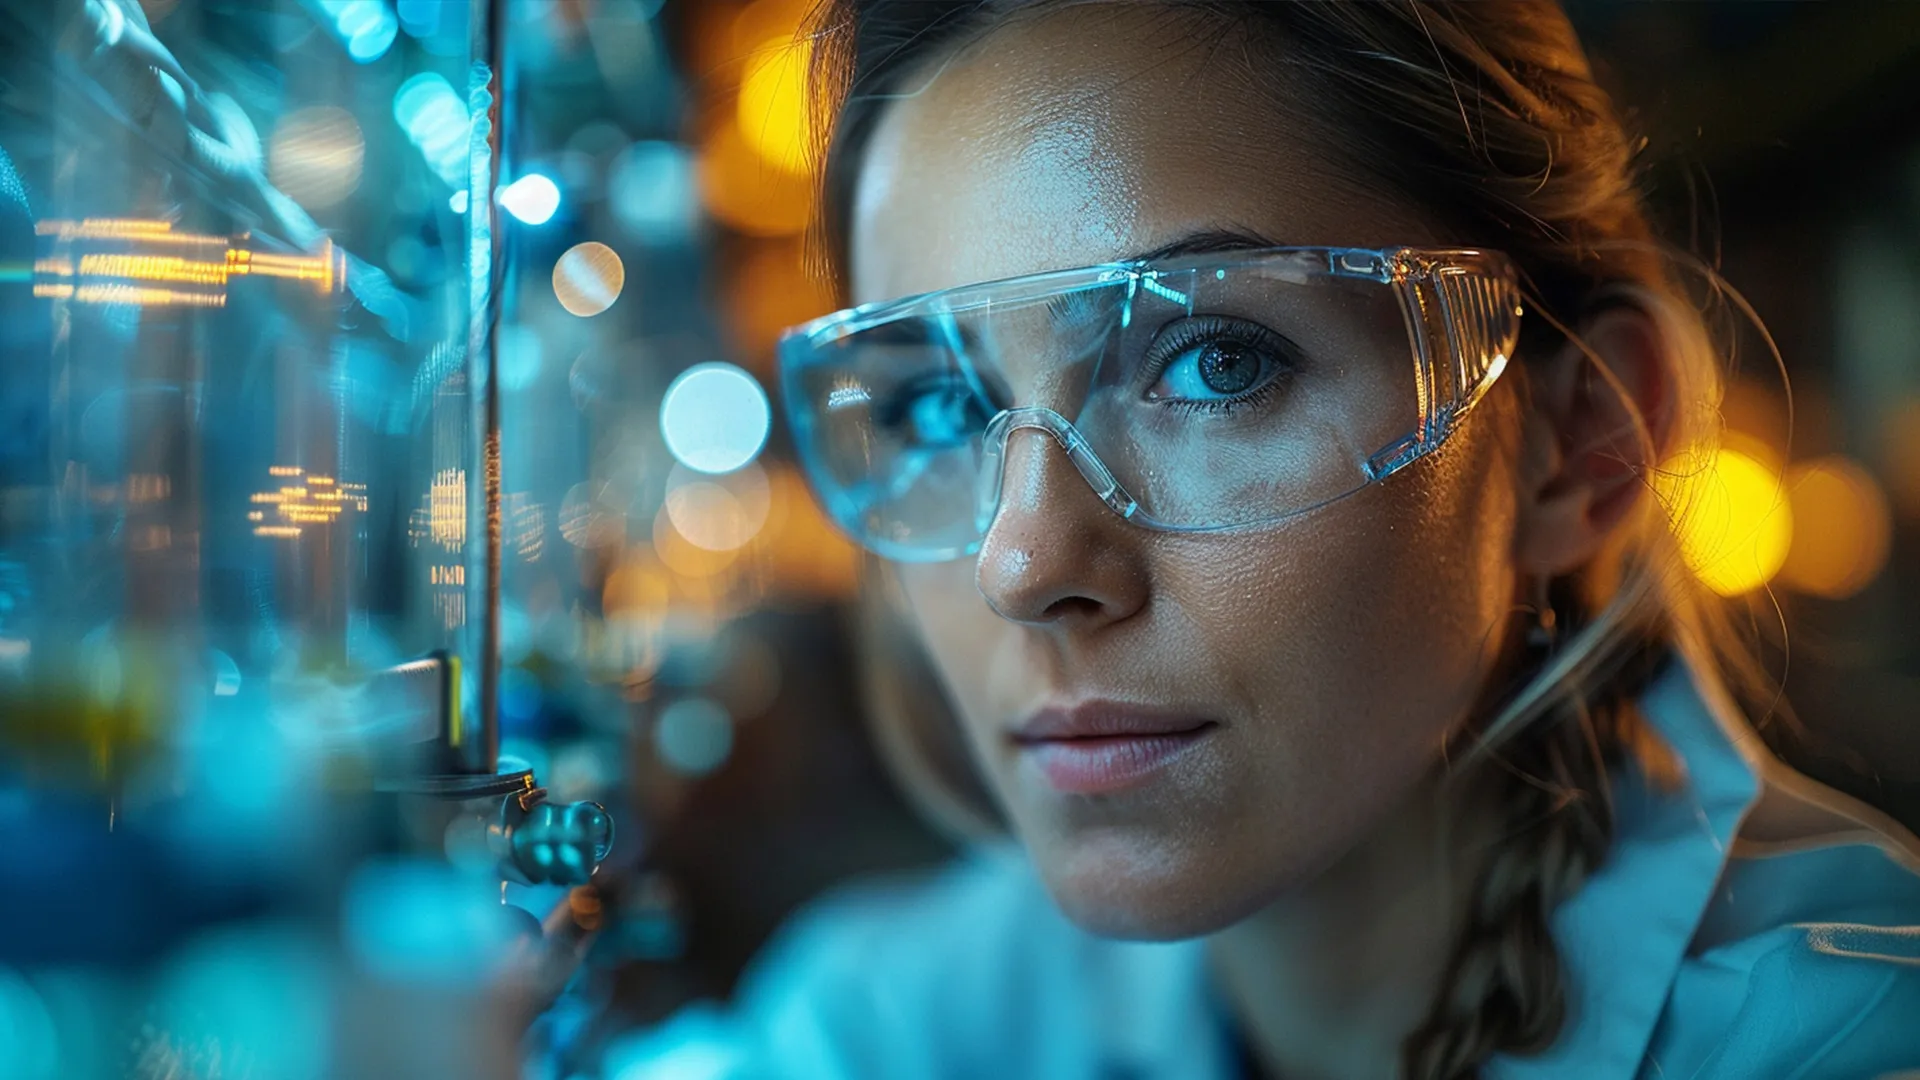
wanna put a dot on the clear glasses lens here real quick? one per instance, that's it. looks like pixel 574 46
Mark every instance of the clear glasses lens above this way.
pixel 1210 395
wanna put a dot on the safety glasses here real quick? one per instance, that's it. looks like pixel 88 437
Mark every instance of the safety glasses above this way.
pixel 1194 394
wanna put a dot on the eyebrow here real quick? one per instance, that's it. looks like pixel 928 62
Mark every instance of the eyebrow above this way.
pixel 1068 310
pixel 1210 241
pixel 1205 242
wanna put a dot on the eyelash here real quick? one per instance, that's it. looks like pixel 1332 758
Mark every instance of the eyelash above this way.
pixel 1197 329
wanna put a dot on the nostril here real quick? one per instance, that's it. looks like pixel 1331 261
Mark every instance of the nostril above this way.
pixel 1073 608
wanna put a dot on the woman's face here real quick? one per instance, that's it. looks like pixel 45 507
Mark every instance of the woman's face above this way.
pixel 1301 678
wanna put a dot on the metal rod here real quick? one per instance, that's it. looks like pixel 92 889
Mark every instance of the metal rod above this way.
pixel 486 271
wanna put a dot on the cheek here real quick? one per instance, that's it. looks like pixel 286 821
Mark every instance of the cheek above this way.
pixel 1365 635
pixel 1352 642
pixel 1390 602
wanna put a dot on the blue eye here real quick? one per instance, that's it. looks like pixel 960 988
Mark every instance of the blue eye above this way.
pixel 935 412
pixel 1212 360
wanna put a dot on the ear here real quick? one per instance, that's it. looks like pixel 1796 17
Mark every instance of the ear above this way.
pixel 1600 408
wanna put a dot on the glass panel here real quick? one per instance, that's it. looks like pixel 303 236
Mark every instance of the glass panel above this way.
pixel 248 474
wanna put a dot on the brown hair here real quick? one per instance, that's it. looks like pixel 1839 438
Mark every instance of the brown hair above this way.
pixel 1484 114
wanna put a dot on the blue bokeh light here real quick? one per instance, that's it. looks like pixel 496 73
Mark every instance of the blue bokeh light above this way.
pixel 365 27
pixel 533 198
pixel 715 418
pixel 422 922
pixel 256 993
pixel 652 188
pixel 694 736
pixel 421 18
pixel 435 120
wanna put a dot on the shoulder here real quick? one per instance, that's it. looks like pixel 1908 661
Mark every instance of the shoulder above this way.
pixel 1808 954
pixel 1748 922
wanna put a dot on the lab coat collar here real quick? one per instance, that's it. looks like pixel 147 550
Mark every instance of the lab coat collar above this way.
pixel 1624 934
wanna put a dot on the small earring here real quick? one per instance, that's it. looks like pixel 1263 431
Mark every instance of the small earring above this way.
pixel 1546 623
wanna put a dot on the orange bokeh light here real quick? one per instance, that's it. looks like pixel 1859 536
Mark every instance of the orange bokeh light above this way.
pixel 770 290
pixel 806 555
pixel 1843 528
pixel 1901 456
pixel 637 586
pixel 748 193
pixel 588 279
pixel 772 110
pixel 684 557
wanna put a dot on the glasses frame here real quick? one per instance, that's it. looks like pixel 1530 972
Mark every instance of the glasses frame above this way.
pixel 1462 308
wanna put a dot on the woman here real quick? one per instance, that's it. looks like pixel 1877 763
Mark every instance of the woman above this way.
pixel 1295 576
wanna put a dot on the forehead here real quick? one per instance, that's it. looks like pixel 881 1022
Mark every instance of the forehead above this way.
pixel 1088 134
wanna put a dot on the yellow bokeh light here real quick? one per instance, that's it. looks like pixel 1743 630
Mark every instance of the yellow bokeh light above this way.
pixel 746 192
pixel 1842 528
pixel 1732 519
pixel 772 110
pixel 589 278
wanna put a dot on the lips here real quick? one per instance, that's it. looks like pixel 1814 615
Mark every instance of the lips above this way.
pixel 1102 746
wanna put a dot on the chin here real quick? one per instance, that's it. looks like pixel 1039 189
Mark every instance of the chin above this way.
pixel 1118 885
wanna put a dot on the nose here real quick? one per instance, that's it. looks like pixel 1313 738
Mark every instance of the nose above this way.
pixel 1056 556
